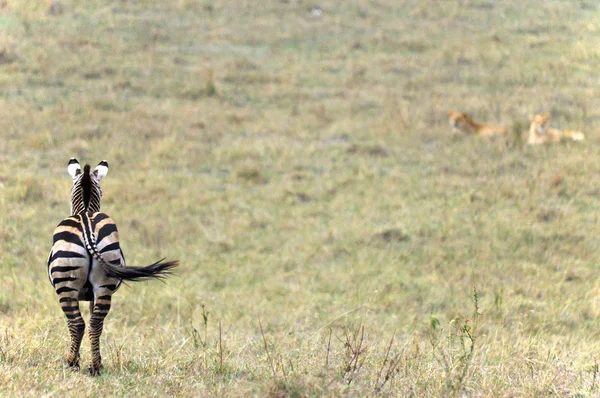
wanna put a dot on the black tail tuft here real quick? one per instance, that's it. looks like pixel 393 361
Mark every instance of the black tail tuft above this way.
pixel 158 270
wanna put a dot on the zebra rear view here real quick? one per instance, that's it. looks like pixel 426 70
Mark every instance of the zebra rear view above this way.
pixel 86 262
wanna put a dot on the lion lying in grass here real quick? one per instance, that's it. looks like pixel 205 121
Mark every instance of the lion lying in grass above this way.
pixel 460 121
pixel 540 133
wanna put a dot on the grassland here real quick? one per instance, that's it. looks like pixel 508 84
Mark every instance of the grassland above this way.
pixel 334 238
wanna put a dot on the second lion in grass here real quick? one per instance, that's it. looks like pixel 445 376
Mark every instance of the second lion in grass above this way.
pixel 541 133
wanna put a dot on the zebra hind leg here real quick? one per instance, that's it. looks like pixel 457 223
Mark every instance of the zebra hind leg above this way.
pixel 76 325
pixel 101 308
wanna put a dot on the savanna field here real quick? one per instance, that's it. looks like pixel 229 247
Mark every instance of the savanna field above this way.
pixel 335 237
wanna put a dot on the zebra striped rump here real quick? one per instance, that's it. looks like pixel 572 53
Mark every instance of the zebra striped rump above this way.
pixel 70 261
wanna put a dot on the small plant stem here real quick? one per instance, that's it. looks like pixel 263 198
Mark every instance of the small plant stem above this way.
pixel 266 347
pixel 220 348
pixel 328 349
pixel 387 354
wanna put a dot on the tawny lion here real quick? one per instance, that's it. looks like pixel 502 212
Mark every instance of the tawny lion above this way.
pixel 460 121
pixel 540 133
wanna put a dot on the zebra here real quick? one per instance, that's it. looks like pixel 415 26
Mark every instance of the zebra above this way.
pixel 86 262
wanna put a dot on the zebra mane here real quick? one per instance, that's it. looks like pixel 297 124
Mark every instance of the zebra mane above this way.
pixel 86 193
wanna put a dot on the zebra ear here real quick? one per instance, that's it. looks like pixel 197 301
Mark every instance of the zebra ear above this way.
pixel 73 168
pixel 101 170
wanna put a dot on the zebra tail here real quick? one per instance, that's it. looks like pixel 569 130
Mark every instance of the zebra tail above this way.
pixel 158 270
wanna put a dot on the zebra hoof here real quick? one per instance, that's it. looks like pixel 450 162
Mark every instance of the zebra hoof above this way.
pixel 94 370
pixel 74 367
pixel 73 364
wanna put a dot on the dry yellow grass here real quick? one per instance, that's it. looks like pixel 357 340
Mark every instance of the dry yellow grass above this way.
pixel 331 233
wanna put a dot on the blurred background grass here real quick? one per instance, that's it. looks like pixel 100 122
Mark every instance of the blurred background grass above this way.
pixel 300 166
